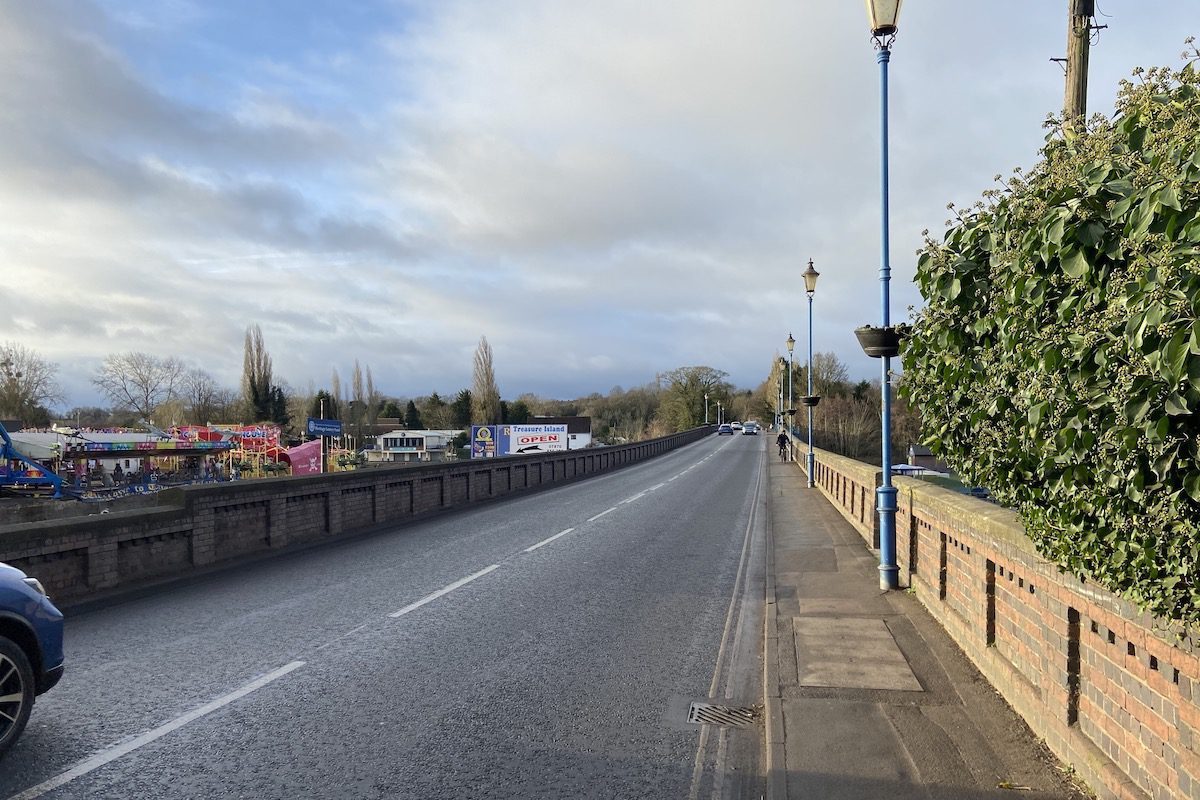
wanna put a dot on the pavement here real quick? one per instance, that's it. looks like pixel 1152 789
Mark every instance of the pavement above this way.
pixel 865 695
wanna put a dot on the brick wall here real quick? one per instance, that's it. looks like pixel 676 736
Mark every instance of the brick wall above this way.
pixel 1112 691
pixel 209 524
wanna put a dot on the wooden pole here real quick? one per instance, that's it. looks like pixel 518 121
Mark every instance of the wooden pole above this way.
pixel 1079 33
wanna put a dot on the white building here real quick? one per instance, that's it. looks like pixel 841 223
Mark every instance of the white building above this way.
pixel 402 446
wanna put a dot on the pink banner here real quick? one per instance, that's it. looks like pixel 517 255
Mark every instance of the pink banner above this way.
pixel 305 458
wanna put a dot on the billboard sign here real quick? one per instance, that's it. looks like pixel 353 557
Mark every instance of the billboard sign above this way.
pixel 489 441
pixel 525 439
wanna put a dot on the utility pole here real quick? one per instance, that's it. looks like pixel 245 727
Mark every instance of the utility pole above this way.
pixel 1079 37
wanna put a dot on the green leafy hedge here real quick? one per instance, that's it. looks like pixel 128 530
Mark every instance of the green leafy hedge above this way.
pixel 1057 361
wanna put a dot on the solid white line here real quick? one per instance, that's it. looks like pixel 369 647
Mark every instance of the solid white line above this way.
pixel 113 753
pixel 429 598
pixel 545 542
pixel 601 514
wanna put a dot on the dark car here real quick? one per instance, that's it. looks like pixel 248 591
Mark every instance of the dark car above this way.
pixel 31 649
pixel 723 429
pixel 750 429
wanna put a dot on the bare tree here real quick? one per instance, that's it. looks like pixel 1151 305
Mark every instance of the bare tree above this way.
pixel 139 381
pixel 201 396
pixel 27 382
pixel 485 395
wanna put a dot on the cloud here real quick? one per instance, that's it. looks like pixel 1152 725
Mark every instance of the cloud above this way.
pixel 606 190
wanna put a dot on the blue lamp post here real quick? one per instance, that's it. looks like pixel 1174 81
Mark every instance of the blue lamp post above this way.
pixel 791 409
pixel 810 400
pixel 883 17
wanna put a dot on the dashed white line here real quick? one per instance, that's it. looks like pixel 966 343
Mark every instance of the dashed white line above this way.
pixel 637 496
pixel 429 598
pixel 545 542
pixel 113 753
pixel 657 486
pixel 601 514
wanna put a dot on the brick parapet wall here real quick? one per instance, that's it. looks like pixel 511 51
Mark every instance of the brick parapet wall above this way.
pixel 1111 690
pixel 201 526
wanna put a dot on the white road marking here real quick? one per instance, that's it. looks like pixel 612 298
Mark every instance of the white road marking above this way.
pixel 429 598
pixel 545 542
pixel 113 753
pixel 601 514
pixel 637 496
pixel 657 486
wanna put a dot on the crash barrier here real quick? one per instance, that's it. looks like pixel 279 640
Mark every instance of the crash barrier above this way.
pixel 1115 693
pixel 202 526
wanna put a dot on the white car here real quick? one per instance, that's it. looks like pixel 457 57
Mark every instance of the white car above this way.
pixel 737 426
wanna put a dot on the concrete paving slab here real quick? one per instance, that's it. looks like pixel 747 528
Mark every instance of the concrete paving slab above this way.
pixel 850 653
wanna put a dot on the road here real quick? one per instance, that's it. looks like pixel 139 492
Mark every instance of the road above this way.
pixel 543 647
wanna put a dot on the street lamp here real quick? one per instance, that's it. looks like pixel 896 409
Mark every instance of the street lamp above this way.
pixel 810 288
pixel 779 403
pixel 883 16
pixel 790 344
pixel 706 408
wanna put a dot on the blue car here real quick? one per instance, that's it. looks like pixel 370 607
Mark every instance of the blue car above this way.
pixel 31 649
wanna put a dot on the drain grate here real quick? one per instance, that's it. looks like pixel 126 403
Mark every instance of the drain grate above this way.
pixel 729 716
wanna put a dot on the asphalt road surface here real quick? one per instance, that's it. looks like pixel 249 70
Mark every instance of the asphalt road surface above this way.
pixel 544 647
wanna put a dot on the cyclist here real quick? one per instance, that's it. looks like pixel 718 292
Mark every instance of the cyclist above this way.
pixel 782 441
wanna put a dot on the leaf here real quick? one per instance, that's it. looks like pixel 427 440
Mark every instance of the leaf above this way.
pixel 1090 234
pixel 1168 198
pixel 1176 406
pixel 1141 219
pixel 1074 263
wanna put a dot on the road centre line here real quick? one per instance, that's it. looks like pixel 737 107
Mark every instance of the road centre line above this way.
pixel 657 486
pixel 113 753
pixel 601 514
pixel 637 496
pixel 429 598
pixel 545 542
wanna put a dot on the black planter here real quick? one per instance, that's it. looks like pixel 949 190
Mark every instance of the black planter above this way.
pixel 881 342
pixel 810 401
pixel 791 412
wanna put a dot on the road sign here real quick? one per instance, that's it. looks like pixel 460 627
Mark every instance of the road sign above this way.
pixel 324 427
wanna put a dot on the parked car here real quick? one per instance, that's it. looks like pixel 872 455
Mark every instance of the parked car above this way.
pixel 750 429
pixel 724 428
pixel 31 649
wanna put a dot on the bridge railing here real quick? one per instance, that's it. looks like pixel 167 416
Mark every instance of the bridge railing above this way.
pixel 205 525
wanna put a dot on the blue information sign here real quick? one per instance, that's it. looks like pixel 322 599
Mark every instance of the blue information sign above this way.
pixel 324 427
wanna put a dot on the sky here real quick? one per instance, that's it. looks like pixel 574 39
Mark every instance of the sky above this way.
pixel 606 190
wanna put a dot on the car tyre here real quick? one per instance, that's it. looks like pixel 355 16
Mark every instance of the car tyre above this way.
pixel 16 692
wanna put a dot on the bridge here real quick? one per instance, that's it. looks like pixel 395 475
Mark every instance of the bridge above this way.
pixel 673 618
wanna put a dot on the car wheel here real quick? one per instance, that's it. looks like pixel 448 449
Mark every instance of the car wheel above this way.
pixel 16 692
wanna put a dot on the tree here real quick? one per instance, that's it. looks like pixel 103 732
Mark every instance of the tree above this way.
pixel 256 377
pixel 461 409
pixel 518 413
pixel 683 390
pixel 1056 359
pixel 201 396
pixel 436 413
pixel 27 384
pixel 139 381
pixel 485 395
pixel 391 410
pixel 412 417
pixel 324 406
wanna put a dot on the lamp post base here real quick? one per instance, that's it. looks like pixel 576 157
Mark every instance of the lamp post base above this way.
pixel 889 573
pixel 809 460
